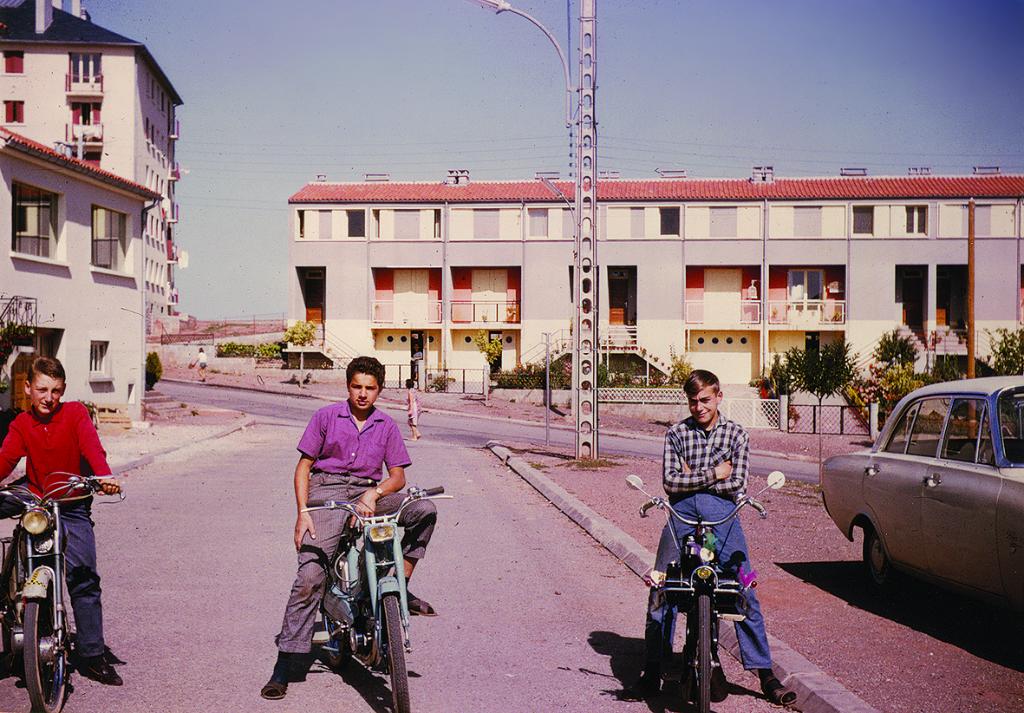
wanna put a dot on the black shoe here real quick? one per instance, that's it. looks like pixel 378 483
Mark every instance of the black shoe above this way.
pixel 419 607
pixel 274 690
pixel 99 669
pixel 773 689
pixel 719 685
pixel 647 686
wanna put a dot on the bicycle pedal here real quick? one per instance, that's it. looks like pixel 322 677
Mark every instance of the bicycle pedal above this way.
pixel 732 617
pixel 320 637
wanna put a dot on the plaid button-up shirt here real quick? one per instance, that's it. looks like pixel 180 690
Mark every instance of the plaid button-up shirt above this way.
pixel 687 443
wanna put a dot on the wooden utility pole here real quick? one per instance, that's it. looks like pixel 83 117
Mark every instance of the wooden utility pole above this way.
pixel 970 290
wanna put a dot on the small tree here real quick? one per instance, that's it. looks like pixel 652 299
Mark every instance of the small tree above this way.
pixel 301 334
pixel 894 348
pixel 1007 351
pixel 826 371
pixel 679 368
pixel 154 370
pixel 490 348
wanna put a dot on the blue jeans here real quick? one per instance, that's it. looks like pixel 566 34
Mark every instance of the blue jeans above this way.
pixel 83 581
pixel 732 551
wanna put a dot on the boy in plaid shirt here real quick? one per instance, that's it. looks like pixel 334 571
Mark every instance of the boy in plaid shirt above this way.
pixel 705 466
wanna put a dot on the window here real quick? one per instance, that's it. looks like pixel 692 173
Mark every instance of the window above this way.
pixel 917 220
pixel 85 113
pixel 98 363
pixel 356 223
pixel 108 238
pixel 669 221
pixel 864 220
pixel 1011 424
pixel 407 225
pixel 924 439
pixel 568 225
pixel 538 222
pixel 806 285
pixel 85 67
pixel 325 224
pixel 14 112
pixel 486 223
pixel 637 229
pixel 723 223
pixel 807 222
pixel 35 220
pixel 901 434
pixel 966 421
pixel 14 62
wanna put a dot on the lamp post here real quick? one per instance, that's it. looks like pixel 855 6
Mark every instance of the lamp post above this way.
pixel 585 270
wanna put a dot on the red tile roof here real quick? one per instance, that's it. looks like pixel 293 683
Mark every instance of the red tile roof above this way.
pixel 699 189
pixel 29 146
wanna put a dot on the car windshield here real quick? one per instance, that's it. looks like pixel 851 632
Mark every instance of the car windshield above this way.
pixel 1011 424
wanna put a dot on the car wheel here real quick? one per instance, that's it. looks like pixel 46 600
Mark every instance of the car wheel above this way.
pixel 876 561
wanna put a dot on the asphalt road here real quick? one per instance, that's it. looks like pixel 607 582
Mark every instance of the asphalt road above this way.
pixel 455 430
pixel 197 563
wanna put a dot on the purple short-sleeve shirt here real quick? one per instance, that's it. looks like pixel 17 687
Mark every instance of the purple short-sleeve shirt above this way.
pixel 337 446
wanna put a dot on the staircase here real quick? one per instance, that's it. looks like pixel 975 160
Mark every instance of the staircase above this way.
pixel 327 351
pixel 561 342
pixel 159 407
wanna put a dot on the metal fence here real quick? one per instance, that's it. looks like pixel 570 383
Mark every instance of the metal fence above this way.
pixel 829 420
pixel 752 413
pixel 447 381
pixel 638 395
pixel 189 338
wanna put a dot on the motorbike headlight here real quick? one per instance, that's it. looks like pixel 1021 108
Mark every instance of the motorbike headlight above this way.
pixel 706 555
pixel 43 546
pixel 36 521
pixel 382 533
pixel 704 572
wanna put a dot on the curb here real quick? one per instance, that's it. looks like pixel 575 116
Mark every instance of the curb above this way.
pixel 520 421
pixel 816 691
pixel 151 457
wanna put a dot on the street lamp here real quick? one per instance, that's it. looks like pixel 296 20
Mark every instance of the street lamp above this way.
pixel 585 269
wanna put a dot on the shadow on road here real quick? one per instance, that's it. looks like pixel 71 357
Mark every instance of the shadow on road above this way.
pixel 961 621
pixel 368 685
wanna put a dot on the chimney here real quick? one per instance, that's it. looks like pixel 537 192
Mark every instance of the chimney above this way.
pixel 457 177
pixel 853 172
pixel 44 15
pixel 763 174
pixel 986 170
pixel 321 178
pixel 919 171
pixel 76 8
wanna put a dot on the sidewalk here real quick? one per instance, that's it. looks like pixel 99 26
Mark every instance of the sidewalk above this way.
pixel 801 446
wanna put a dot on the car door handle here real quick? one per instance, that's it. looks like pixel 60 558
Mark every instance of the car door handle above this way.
pixel 932 480
pixel 871 470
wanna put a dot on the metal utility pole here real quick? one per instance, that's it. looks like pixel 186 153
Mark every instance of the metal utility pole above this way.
pixel 547 388
pixel 585 269
pixel 971 346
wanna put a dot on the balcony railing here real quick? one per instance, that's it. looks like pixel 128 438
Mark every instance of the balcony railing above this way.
pixel 749 312
pixel 173 217
pixel 83 84
pixel 807 312
pixel 87 132
pixel 176 131
pixel 385 312
pixel 175 173
pixel 502 312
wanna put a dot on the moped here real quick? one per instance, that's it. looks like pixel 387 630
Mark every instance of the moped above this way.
pixel 365 606
pixel 698 583
pixel 33 621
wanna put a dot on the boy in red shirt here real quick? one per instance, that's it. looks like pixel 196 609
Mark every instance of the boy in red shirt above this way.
pixel 60 438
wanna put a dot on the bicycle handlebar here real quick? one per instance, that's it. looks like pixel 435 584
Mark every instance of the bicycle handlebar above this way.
pixel 740 504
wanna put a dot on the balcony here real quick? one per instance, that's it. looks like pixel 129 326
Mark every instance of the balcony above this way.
pixel 176 130
pixel 89 133
pixel 173 217
pixel 475 311
pixel 743 312
pixel 807 314
pixel 172 297
pixel 172 253
pixel 417 312
pixel 82 85
pixel 175 173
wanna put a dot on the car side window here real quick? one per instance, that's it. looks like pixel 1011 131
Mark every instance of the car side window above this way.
pixel 966 420
pixel 1011 424
pixel 924 438
pixel 901 434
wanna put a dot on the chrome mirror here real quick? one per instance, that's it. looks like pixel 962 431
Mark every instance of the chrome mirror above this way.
pixel 635 482
pixel 776 479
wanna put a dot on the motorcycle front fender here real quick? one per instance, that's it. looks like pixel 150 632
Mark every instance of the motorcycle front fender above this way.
pixel 38 584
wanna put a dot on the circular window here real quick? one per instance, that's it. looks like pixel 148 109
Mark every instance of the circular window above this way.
pixel 714 340
pixel 469 340
pixel 391 339
pixel 508 340
pixel 404 340
pixel 700 340
pixel 430 340
pixel 728 340
pixel 743 340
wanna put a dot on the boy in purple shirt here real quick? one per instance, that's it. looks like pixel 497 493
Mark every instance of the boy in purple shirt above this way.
pixel 340 458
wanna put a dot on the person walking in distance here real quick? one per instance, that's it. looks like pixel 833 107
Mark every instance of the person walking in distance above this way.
pixel 201 361
pixel 412 408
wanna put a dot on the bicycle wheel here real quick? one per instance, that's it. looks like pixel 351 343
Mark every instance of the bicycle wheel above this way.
pixel 396 653
pixel 704 663
pixel 45 660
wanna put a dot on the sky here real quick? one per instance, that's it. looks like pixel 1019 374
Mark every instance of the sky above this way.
pixel 278 92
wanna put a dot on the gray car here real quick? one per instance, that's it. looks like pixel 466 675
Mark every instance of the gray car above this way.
pixel 940 495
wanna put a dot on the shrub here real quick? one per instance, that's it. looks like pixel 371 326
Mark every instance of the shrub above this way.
pixel 301 334
pixel 154 370
pixel 440 383
pixel 490 348
pixel 1007 351
pixel 946 368
pixel 268 350
pixel 895 348
pixel 679 368
pixel 235 350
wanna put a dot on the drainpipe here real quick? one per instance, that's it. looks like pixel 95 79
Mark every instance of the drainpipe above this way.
pixel 764 286
pixel 446 294
pixel 142 291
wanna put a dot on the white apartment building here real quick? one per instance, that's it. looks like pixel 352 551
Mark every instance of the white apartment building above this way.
pixel 67 82
pixel 727 271
pixel 70 267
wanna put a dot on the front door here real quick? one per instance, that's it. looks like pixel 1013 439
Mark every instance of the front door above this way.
pixel 416 342
pixel 312 282
pixel 618 297
pixel 911 293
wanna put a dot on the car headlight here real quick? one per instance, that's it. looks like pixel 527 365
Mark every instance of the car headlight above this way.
pixel 382 533
pixel 43 546
pixel 36 521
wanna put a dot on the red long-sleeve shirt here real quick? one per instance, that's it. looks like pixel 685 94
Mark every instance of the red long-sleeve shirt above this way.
pixel 66 443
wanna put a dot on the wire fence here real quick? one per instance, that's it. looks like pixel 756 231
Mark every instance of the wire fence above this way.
pixel 445 381
pixel 827 419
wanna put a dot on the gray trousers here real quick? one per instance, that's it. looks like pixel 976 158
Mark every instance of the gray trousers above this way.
pixel 417 519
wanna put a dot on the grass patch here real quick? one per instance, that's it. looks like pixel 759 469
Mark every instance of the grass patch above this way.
pixel 593 464
pixel 538 465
